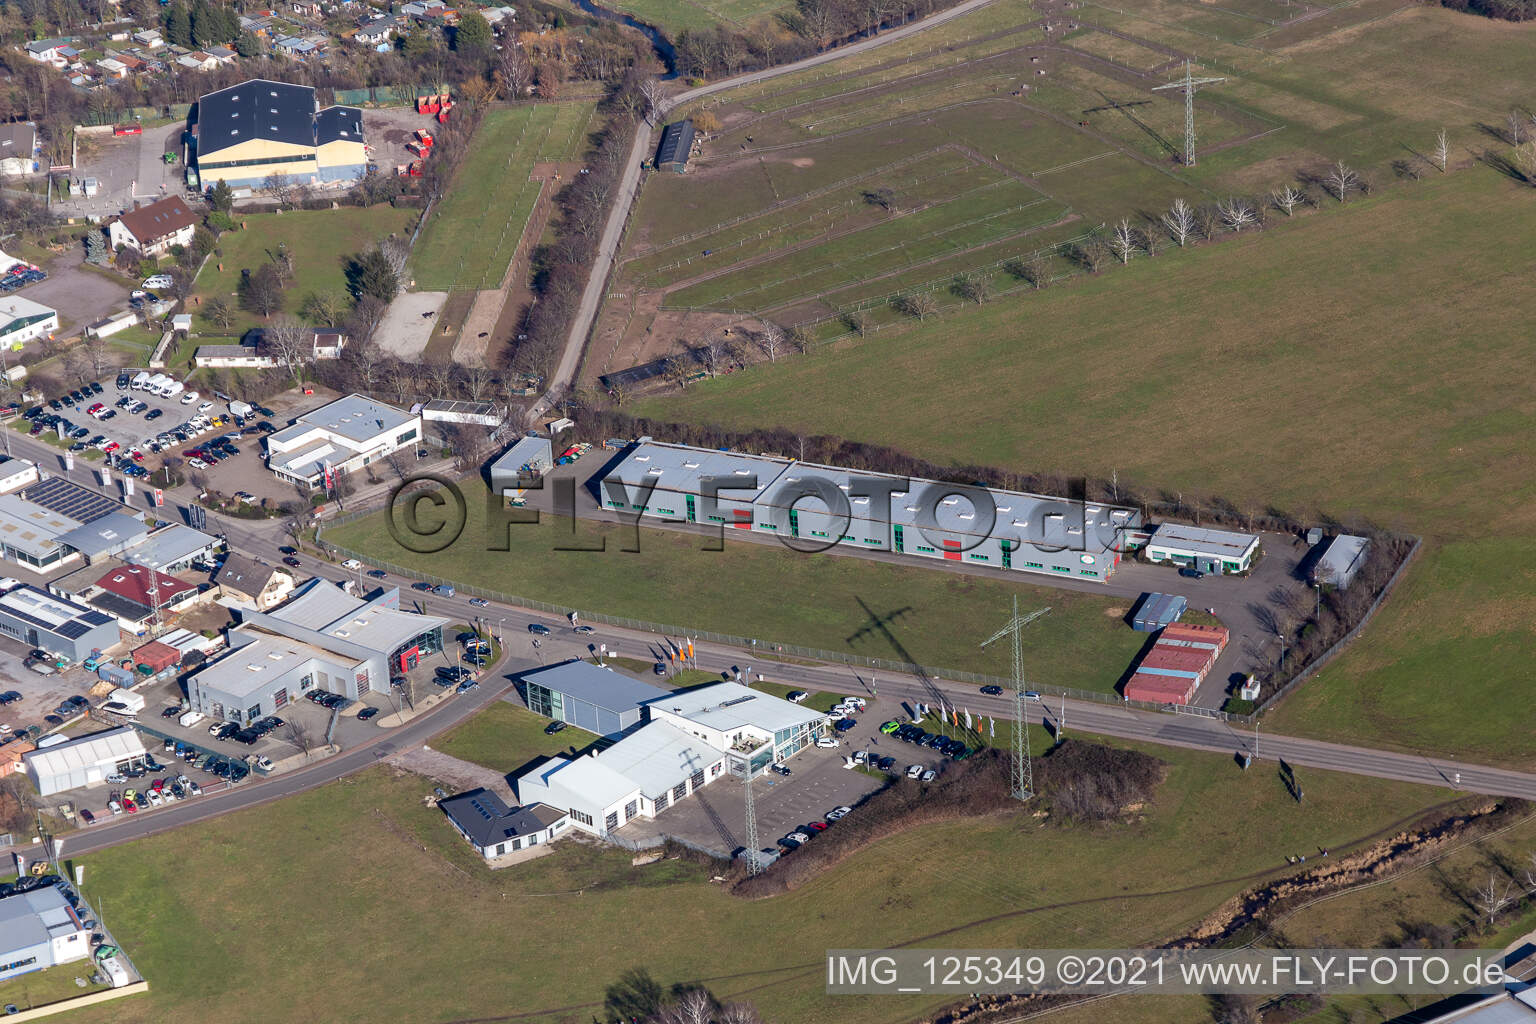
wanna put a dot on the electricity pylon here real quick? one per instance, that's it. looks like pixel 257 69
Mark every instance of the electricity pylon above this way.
pixel 1023 768
pixel 1189 84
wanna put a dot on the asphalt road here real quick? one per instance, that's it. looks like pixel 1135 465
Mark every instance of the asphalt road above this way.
pixel 262 540
pixel 629 185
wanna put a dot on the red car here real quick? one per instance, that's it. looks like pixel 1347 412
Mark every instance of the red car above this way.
pixel 130 807
pixel 158 786
pixel 817 826
pixel 111 447
pixel 138 456
pixel 93 410
pixel 127 129
pixel 192 453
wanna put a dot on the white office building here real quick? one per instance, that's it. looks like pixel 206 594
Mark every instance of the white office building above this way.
pixel 691 739
pixel 1195 547
pixel 39 929
pixel 339 438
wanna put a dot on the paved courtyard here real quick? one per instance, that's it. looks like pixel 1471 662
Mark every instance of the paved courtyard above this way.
pixel 408 324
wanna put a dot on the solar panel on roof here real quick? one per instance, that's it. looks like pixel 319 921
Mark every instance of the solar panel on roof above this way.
pixel 71 500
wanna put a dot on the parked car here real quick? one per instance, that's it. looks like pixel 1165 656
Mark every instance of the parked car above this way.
pixel 351 563
pixel 479 602
pixel 1032 695
pixel 796 696
pixel 377 574
pixel 292 562
pixel 553 727
pixel 839 813
pixel 992 691
pixel 367 713
pixel 930 775
pixel 885 764
pixel 886 728
pixel 914 771
pixel 1194 574
pixel 780 768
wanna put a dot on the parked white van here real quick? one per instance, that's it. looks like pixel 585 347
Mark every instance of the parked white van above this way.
pixel 139 380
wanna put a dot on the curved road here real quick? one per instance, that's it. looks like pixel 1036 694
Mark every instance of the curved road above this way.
pixel 629 184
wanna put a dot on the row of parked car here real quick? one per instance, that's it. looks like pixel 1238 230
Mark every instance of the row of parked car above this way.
pixel 805 833
pixel 915 734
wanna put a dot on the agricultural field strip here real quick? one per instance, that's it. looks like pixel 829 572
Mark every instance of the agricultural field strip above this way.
pixel 898 234
pixel 948 38
pixel 498 257
pixel 919 248
pixel 862 295
pixel 1203 59
pixel 780 237
pixel 943 98
pixel 847 86
pixel 782 204
pixel 487 144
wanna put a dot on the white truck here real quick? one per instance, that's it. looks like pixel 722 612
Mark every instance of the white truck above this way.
pixel 189 718
pixel 240 409
pixel 172 388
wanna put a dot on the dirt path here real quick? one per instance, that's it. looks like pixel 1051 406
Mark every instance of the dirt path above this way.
pixel 460 774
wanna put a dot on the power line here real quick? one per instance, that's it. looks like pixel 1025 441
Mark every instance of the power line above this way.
pixel 1023 782
pixel 1188 84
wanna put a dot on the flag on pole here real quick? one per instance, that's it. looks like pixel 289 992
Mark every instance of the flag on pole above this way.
pixel 967 718
pixel 690 650
pixel 991 727
pixel 954 717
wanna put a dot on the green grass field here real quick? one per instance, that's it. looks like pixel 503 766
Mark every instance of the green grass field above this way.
pixel 472 234
pixel 1377 387
pixel 777 595
pixel 321 242
pixel 260 889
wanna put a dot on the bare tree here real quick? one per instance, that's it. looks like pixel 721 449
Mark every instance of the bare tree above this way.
pixel 1037 270
pixel 1091 253
pixel 218 310
pixel 1123 241
pixel 973 286
pixel 470 444
pixel 917 305
pixel 1179 222
pixel 771 338
pixel 710 351
pixel 95 349
pixel 440 373
pixel 799 339
pixel 1530 871
pixel 676 371
pixel 740 1013
pixel 655 97
pixel 514 73
pixel 693 1006
pixel 1287 199
pixel 1524 159
pixel 294 527
pixel 1514 127
pixel 298 733
pixel 291 344
pixel 396 252
pixel 856 320
pixel 1341 181
pixel 477 379
pixel 1441 153
pixel 1493 897
pixel 1235 213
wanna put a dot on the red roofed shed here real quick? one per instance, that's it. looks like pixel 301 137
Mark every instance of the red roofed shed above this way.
pixel 157 656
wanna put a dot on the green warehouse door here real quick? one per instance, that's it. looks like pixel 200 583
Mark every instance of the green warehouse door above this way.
pixel 691 516
pixel 897 531
pixel 794 523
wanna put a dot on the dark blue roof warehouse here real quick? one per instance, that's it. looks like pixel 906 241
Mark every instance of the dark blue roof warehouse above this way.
pixel 676 145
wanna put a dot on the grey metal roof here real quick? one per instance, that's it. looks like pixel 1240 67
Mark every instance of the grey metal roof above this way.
pixel 726 706
pixel 111 533
pixel 258 109
pixel 1343 558
pixel 32 918
pixel 27 526
pixel 1216 543
pixel 245 574
pixel 600 687
pixel 354 417
pixel 487 820
pixel 526 450
pixel 168 546
pixel 658 756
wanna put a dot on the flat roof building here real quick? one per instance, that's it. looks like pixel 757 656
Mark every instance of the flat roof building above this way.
pixel 40 619
pixel 1157 611
pixel 339 438
pixel 109 535
pixel 22 320
pixel 1216 551
pixel 815 508
pixel 690 739
pixel 38 930
pixel 599 700
pixel 527 460
pixel 322 639
pixel 171 548
pixel 496 830
pixel 1341 560
pixel 86 761
pixel 1177 663
pixel 32 535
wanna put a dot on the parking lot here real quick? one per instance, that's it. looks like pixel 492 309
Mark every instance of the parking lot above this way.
pixel 138 418
pixel 127 167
